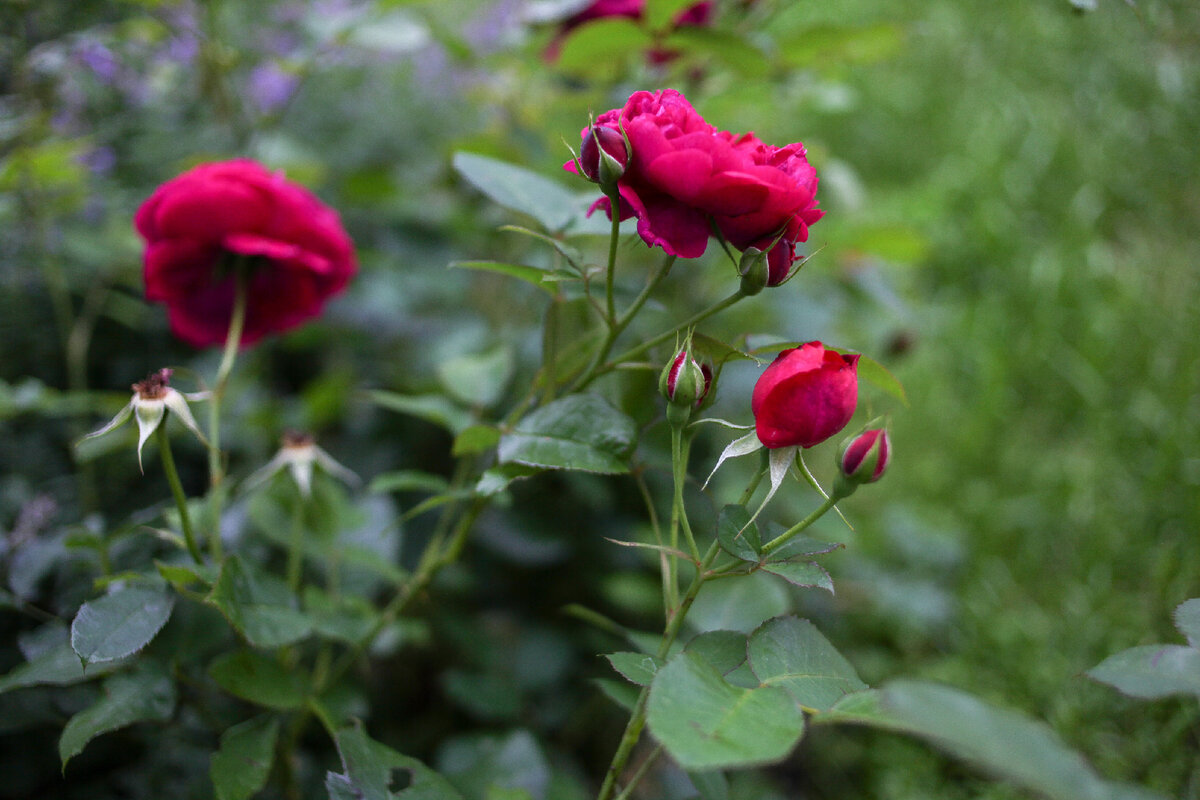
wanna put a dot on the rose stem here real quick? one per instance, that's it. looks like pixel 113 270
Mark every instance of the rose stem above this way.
pixel 168 462
pixel 215 468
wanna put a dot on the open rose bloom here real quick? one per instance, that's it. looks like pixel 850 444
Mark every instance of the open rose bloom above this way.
pixel 684 176
pixel 217 218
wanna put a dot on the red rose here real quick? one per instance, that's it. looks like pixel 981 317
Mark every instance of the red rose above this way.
pixel 865 457
pixel 684 175
pixel 200 224
pixel 805 396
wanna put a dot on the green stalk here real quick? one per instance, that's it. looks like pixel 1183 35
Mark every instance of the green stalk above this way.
pixel 637 720
pixel 665 335
pixel 216 469
pixel 679 453
pixel 782 539
pixel 295 562
pixel 168 462
pixel 613 237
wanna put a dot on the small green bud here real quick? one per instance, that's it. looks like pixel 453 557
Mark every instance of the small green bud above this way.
pixel 754 270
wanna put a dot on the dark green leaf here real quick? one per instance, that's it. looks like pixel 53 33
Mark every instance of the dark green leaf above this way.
pixel 239 769
pixel 496 480
pixel 1152 671
pixel 183 576
pixel 791 653
pixel 408 480
pixel 475 439
pixel 430 407
pixel 128 697
pixel 622 693
pixel 801 573
pixel 800 546
pixel 258 678
pixel 55 664
pixel 367 772
pixel 519 189
pixel 120 624
pixel 346 618
pixel 581 432
pixel 258 605
pixel 724 651
pixel 636 668
pixel 707 723
pixel 737 534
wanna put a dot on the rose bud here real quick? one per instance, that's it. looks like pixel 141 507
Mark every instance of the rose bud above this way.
pixel 684 382
pixel 805 396
pixel 603 156
pixel 753 268
pixel 864 457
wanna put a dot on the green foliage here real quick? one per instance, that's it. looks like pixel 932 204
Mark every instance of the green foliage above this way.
pixel 240 767
pixel 580 432
pixel 1158 670
pixel 119 624
pixel 146 694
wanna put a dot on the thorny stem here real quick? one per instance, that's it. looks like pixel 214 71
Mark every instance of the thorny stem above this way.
pixel 168 462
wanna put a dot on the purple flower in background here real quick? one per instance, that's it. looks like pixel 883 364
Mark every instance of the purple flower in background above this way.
pixel 271 86
pixel 98 160
pixel 100 60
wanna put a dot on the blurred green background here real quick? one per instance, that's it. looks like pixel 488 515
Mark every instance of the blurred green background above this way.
pixel 1013 228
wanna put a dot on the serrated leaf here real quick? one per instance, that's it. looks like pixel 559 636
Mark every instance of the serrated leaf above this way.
pixel 707 723
pixel 724 651
pixel 367 772
pixel 801 573
pixel 497 479
pixel 56 666
pixel 433 408
pixel 523 272
pixel 579 432
pixel 791 653
pixel 239 769
pixel 1187 620
pixel 637 668
pixel 1151 671
pixel 258 605
pixel 120 624
pixel 1001 741
pixel 799 546
pixel 519 189
pixel 128 697
pixel 737 534
pixel 258 678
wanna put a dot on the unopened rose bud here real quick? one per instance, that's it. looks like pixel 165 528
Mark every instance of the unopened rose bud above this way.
pixel 780 259
pixel 683 381
pixel 603 156
pixel 754 271
pixel 864 457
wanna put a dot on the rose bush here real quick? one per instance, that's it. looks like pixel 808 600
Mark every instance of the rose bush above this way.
pixel 684 176
pixel 205 224
pixel 805 396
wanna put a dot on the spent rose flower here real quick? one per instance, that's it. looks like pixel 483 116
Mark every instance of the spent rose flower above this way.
pixel 684 176
pixel 805 396
pixel 204 225
pixel 152 399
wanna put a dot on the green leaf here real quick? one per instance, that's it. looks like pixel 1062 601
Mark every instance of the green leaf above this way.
pixel 523 272
pixel 843 44
pixel 430 407
pixel 120 624
pixel 724 651
pixel 603 42
pixel 367 772
pixel 346 618
pixel 1151 671
pixel 807 574
pixel 477 379
pixel 580 432
pixel 128 697
pixel 637 668
pixel 800 546
pixel 258 605
pixel 791 653
pixel 408 480
pixel 739 604
pixel 519 189
pixel 258 678
pixel 55 665
pixel 712 785
pixel 724 47
pixel 474 440
pixel 239 769
pixel 737 534
pixel 497 479
pixel 661 13
pixel 182 576
pixel 1003 742
pixel 706 723
pixel 876 374
pixel 1187 620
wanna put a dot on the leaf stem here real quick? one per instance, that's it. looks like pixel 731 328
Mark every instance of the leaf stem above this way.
pixel 168 462
pixel 783 538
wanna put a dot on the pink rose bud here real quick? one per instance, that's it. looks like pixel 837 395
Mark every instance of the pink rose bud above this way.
pixel 684 382
pixel 805 396
pixel 603 156
pixel 864 457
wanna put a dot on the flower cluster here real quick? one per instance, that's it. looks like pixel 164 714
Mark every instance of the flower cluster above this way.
pixel 683 178
pixel 205 225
